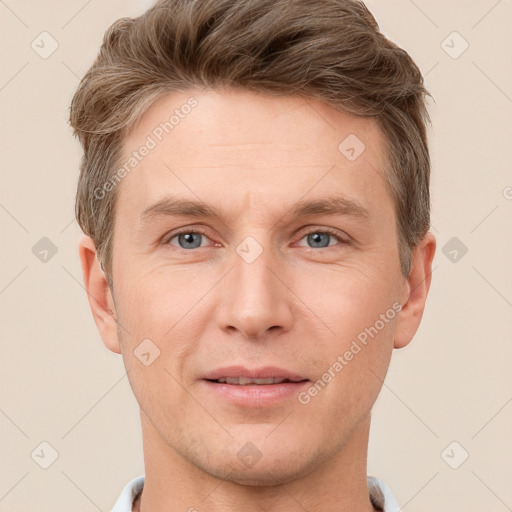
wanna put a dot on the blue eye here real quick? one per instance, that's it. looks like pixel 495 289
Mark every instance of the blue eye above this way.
pixel 188 239
pixel 317 239
pixel 321 239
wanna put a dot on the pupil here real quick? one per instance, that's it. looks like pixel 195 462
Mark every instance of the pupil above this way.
pixel 316 238
pixel 188 239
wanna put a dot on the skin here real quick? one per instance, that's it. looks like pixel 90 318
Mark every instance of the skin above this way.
pixel 297 306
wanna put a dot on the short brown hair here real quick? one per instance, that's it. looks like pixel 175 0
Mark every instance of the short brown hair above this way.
pixel 331 50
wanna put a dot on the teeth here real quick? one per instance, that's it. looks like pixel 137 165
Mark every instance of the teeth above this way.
pixel 244 381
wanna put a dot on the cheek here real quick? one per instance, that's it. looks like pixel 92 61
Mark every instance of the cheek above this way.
pixel 154 303
pixel 353 366
pixel 345 300
pixel 356 316
pixel 157 332
pixel 162 313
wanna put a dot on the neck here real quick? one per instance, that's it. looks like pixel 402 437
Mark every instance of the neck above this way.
pixel 173 484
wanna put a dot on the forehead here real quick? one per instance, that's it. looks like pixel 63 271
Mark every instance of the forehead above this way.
pixel 246 120
pixel 255 146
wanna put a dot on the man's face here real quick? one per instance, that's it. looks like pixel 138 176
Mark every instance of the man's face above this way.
pixel 263 283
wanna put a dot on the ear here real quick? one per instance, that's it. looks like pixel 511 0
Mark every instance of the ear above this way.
pixel 99 295
pixel 415 291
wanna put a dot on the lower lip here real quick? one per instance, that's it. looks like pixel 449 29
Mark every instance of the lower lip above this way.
pixel 256 395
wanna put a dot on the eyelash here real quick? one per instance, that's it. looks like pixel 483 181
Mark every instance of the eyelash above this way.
pixel 199 231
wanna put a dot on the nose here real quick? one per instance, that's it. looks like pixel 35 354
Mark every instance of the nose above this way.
pixel 256 297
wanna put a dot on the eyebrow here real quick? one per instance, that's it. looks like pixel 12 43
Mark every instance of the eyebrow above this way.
pixel 174 206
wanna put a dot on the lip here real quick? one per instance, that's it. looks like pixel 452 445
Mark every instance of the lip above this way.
pixel 254 395
pixel 254 373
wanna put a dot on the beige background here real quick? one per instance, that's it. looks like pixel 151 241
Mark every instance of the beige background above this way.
pixel 59 383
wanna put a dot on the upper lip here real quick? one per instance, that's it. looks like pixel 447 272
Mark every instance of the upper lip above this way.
pixel 254 373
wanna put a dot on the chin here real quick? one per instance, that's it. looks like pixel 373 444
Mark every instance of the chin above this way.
pixel 278 469
pixel 267 476
pixel 261 479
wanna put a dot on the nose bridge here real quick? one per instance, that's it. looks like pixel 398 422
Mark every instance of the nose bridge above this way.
pixel 253 263
pixel 256 299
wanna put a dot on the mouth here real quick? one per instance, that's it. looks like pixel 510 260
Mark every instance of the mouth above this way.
pixel 247 381
pixel 262 376
pixel 259 387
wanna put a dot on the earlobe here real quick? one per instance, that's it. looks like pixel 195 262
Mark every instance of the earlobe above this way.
pixel 99 294
pixel 415 291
